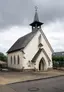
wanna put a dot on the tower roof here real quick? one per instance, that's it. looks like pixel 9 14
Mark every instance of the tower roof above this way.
pixel 36 17
pixel 36 20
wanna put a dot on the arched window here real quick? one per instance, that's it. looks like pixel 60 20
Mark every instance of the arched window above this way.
pixel 14 60
pixel 18 59
pixel 11 59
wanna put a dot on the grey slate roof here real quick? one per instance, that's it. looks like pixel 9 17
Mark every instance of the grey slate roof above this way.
pixel 36 17
pixel 22 42
pixel 36 20
pixel 58 53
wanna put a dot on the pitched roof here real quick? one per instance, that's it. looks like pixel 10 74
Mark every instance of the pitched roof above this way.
pixel 21 42
pixel 36 20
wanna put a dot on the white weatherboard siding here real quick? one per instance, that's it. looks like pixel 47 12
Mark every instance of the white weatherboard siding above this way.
pixel 16 65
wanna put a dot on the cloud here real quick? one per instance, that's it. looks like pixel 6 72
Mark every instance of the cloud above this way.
pixel 14 12
pixel 50 10
pixel 21 12
pixel 54 31
pixel 16 15
pixel 55 34
pixel 8 37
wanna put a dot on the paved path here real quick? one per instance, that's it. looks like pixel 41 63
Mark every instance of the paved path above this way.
pixel 46 85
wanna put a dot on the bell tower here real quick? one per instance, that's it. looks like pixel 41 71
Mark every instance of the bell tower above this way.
pixel 36 24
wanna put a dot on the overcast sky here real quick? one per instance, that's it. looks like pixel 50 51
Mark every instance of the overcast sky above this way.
pixel 16 15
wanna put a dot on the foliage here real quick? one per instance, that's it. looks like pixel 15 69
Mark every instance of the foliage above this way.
pixel 58 61
pixel 3 57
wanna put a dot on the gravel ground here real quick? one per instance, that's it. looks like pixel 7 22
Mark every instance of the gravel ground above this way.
pixel 12 77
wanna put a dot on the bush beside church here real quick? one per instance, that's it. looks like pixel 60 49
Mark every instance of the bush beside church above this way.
pixel 58 61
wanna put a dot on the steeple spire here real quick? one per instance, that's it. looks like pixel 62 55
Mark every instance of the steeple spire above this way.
pixel 36 24
pixel 36 14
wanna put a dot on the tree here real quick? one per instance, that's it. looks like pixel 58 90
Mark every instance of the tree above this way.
pixel 3 57
pixel 58 61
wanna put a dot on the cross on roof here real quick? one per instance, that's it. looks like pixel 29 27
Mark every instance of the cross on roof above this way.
pixel 36 8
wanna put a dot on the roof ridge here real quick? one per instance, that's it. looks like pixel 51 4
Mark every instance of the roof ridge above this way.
pixel 24 35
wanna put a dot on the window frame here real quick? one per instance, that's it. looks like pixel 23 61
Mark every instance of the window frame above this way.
pixel 11 59
pixel 18 60
pixel 14 60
